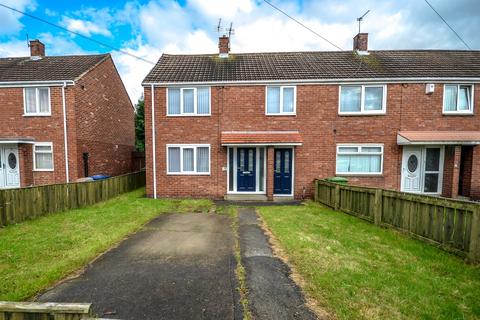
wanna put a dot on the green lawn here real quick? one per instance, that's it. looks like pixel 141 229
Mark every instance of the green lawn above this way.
pixel 36 253
pixel 356 270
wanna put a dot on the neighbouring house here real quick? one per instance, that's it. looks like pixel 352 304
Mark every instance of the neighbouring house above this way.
pixel 265 125
pixel 62 118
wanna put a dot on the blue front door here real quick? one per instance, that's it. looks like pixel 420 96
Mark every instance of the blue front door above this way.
pixel 282 177
pixel 246 172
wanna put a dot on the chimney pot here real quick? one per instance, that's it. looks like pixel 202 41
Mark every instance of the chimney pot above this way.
pixel 224 46
pixel 37 48
pixel 360 42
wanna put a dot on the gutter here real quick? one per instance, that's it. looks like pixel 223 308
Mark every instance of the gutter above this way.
pixel 319 81
pixel 154 155
pixel 65 138
pixel 23 84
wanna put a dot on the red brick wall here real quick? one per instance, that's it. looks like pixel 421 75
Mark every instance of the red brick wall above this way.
pixel 242 108
pixel 105 124
pixel 466 173
pixel 475 182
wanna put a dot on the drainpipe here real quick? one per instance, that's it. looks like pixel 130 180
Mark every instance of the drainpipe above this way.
pixel 65 140
pixel 154 156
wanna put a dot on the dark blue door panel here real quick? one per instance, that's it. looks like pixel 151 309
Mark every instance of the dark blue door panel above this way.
pixel 282 176
pixel 246 169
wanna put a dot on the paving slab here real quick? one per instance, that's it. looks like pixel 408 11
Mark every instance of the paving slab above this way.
pixel 179 266
pixel 272 294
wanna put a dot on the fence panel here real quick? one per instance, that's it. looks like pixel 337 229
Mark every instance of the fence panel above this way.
pixel 17 205
pixel 453 224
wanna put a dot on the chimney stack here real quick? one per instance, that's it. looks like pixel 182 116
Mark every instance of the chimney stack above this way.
pixel 223 46
pixel 360 42
pixel 37 49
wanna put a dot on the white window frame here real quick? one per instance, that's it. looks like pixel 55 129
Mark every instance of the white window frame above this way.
pixel 281 113
pixel 43 144
pixel 195 98
pixel 359 147
pixel 37 113
pixel 472 95
pixel 440 172
pixel 362 100
pixel 189 146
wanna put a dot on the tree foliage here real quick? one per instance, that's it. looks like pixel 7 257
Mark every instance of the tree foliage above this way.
pixel 140 125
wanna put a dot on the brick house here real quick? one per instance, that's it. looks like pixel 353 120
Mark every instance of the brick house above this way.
pixel 265 125
pixel 62 118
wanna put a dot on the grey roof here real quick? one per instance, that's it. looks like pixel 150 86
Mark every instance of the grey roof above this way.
pixel 316 65
pixel 49 68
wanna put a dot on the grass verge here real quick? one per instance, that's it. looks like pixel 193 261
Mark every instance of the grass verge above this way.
pixel 35 254
pixel 356 270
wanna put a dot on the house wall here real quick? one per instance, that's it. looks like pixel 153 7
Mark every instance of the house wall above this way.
pixel 242 108
pixel 42 129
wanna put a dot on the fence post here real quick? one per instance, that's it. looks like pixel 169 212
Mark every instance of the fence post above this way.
pixel 336 202
pixel 377 214
pixel 315 196
pixel 474 250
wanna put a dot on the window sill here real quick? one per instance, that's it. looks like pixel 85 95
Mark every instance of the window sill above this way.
pixel 43 170
pixel 187 174
pixel 281 114
pixel 367 175
pixel 187 115
pixel 37 115
pixel 360 114
pixel 458 114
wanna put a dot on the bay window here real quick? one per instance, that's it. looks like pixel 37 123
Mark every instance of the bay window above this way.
pixel 188 159
pixel 359 159
pixel 362 99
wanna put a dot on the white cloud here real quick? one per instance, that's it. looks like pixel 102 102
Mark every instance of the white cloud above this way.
pixel 222 8
pixel 14 48
pixel 60 45
pixel 84 27
pixel 10 20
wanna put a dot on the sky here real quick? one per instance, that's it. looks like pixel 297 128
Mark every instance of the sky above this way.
pixel 150 28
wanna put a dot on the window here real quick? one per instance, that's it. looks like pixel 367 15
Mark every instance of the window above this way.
pixel 458 98
pixel 362 99
pixel 188 159
pixel 280 100
pixel 37 101
pixel 188 101
pixel 43 156
pixel 432 170
pixel 359 159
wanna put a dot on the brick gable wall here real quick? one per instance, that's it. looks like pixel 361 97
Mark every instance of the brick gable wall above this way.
pixel 242 108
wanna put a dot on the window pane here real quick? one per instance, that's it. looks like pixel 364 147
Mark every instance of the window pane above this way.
pixel 173 101
pixel 250 160
pixel 273 99
pixel 43 148
pixel 373 98
pixel 242 159
pixel 174 159
pixel 350 99
pixel 287 162
pixel 188 159
pixel 43 161
pixel 432 161
pixel 43 100
pixel 278 161
pixel 371 149
pixel 230 169
pixel 431 182
pixel 359 163
pixel 450 98
pixel 464 98
pixel 188 101
pixel 347 149
pixel 30 100
pixel 203 100
pixel 202 159
pixel 261 175
pixel 288 97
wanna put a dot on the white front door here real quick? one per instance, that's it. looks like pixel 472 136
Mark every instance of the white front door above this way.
pixel 422 169
pixel 411 169
pixel 10 167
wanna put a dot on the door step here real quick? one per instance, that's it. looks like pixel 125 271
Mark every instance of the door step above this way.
pixel 245 197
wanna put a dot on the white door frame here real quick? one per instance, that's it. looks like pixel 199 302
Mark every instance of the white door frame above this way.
pixel 257 173
pixel 422 163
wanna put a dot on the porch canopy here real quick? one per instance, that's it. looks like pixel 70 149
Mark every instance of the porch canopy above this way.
pixel 7 140
pixel 438 137
pixel 261 138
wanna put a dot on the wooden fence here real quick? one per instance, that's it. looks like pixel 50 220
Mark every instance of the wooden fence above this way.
pixel 17 205
pixel 452 224
pixel 44 311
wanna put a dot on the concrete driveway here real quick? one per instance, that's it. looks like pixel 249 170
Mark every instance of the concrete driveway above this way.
pixel 179 266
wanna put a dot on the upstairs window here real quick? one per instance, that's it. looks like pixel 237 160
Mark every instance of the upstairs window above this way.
pixel 37 101
pixel 359 159
pixel 43 156
pixel 188 159
pixel 362 99
pixel 281 100
pixel 458 98
pixel 188 101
